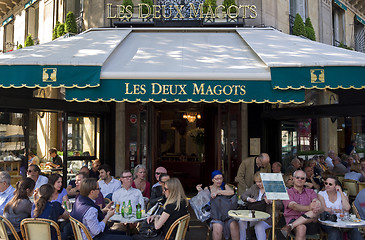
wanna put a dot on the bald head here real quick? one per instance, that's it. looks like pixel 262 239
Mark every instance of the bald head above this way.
pixel 159 171
pixel 264 159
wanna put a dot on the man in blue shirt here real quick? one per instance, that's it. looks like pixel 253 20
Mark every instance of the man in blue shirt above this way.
pixel 6 190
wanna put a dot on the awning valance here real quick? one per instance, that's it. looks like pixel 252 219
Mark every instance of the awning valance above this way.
pixel 172 90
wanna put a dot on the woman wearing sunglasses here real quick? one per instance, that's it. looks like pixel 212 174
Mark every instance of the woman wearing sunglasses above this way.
pixel 175 207
pixel 335 201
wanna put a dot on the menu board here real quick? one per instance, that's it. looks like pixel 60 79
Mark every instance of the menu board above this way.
pixel 274 186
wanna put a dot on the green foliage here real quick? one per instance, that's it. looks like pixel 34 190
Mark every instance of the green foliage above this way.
pixel 29 41
pixel 298 28
pixel 70 24
pixel 61 30
pixel 310 152
pixel 207 3
pixel 342 45
pixel 144 8
pixel 309 30
pixel 128 3
pixel 20 46
pixel 54 33
pixel 228 3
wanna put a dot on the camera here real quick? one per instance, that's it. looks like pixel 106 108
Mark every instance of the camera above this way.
pixel 326 216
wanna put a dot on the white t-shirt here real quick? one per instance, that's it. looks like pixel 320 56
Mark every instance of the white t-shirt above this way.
pixel 111 187
pixel 336 205
pixel 329 163
pixel 41 181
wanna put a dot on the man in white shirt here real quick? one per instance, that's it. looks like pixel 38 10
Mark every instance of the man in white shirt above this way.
pixel 6 190
pixel 86 211
pixel 107 183
pixel 34 173
pixel 127 192
pixel 330 158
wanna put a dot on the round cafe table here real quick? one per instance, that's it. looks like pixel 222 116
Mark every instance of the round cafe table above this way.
pixel 355 223
pixel 243 215
pixel 127 220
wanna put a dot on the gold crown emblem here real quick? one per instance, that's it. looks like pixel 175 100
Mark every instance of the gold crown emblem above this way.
pixel 317 75
pixel 49 74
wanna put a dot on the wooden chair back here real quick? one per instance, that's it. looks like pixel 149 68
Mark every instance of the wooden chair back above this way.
pixel 361 186
pixel 38 228
pixel 354 210
pixel 3 232
pixel 77 226
pixel 351 186
pixel 182 225
pixel 340 178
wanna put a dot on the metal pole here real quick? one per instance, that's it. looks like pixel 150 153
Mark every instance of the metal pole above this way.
pixel 273 220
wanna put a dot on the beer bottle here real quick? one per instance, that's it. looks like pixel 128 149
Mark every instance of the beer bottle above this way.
pixel 129 208
pixel 123 209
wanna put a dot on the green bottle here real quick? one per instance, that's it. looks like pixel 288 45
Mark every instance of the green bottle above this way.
pixel 65 205
pixel 123 209
pixel 138 211
pixel 129 208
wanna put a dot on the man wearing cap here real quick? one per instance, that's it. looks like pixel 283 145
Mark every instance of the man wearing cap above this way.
pixel 248 168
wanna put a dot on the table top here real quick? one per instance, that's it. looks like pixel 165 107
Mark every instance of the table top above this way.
pixel 243 215
pixel 131 219
pixel 356 223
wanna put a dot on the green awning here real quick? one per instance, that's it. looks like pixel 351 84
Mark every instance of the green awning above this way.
pixel 53 75
pixel 318 77
pixel 142 90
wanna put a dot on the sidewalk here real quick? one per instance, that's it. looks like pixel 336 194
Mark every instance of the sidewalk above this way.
pixel 197 230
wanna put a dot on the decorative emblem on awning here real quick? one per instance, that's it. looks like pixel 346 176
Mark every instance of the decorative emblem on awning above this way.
pixel 317 75
pixel 49 74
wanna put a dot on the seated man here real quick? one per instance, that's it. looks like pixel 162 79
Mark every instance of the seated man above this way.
pixel 360 203
pixel 107 183
pixel 86 211
pixel 158 172
pixel 302 209
pixel 34 173
pixel 6 190
pixel 157 192
pixel 127 192
pixel 71 188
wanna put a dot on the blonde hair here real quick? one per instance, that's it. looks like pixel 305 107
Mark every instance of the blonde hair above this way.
pixel 257 176
pixel 176 193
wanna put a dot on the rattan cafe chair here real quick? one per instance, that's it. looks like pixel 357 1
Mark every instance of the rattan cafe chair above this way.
pixel 351 186
pixel 182 226
pixel 356 212
pixel 361 186
pixel 38 228
pixel 77 226
pixel 3 233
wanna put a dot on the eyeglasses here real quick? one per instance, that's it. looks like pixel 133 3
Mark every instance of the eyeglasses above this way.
pixel 326 183
pixel 158 173
pixel 31 171
pixel 165 188
pixel 127 176
pixel 217 179
pixel 301 178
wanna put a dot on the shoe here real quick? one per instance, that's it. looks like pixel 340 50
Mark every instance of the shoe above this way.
pixel 286 230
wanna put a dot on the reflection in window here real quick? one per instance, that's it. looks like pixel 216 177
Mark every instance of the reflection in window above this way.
pixel 12 142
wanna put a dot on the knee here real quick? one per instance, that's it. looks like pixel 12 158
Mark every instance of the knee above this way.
pixel 233 225
pixel 301 230
pixel 217 228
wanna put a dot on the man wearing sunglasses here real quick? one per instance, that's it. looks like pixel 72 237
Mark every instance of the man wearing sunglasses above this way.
pixel 34 173
pixel 302 209
pixel 158 172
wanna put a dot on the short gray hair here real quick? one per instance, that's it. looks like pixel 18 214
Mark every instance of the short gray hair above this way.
pixel 5 177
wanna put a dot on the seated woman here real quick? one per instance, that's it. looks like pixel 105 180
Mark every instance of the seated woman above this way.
pixel 175 207
pixel 44 208
pixel 60 194
pixel 336 201
pixel 288 180
pixel 19 207
pixel 140 182
pixel 254 194
pixel 32 158
pixel 230 226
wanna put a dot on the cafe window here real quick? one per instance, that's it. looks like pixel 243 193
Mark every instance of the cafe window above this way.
pixel 12 141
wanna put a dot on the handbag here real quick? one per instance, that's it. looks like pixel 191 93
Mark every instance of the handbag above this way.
pixel 201 205
pixel 147 230
pixel 258 205
pixel 220 205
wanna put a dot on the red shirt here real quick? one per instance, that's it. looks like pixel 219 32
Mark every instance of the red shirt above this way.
pixel 147 190
pixel 304 198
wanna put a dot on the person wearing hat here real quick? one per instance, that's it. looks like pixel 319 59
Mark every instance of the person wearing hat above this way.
pixel 230 226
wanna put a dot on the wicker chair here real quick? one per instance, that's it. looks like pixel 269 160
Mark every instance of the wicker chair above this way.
pixel 361 186
pixel 182 225
pixel 352 187
pixel 38 228
pixel 354 209
pixel 77 226
pixel 3 233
